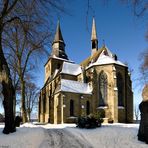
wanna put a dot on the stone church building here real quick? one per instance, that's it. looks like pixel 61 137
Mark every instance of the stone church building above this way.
pixel 100 83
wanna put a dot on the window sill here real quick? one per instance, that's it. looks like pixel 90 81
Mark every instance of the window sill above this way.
pixel 72 117
pixel 120 107
pixel 102 107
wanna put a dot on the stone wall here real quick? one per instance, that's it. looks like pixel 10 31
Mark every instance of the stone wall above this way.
pixel 58 110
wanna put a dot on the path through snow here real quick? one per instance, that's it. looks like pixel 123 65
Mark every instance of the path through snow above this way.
pixel 61 138
pixel 68 136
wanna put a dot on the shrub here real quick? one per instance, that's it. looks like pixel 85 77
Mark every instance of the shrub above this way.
pixel 90 121
pixel 18 120
pixel 2 119
pixel 110 120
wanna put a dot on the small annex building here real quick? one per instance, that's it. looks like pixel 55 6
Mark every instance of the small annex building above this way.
pixel 99 84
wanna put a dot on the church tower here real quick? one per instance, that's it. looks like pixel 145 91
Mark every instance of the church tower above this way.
pixel 58 54
pixel 58 45
pixel 94 40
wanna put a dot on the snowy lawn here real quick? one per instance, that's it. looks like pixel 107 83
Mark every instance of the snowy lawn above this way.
pixel 27 136
pixel 44 136
pixel 111 136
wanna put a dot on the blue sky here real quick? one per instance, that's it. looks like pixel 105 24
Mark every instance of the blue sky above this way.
pixel 124 34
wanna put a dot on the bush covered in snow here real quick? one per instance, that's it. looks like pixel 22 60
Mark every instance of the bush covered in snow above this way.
pixel 90 121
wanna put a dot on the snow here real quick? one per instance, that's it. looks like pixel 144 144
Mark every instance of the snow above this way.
pixel 102 107
pixel 67 135
pixel 75 87
pixel 111 136
pixel 108 51
pixel 55 57
pixel 55 73
pixel 71 68
pixel 25 137
pixel 106 57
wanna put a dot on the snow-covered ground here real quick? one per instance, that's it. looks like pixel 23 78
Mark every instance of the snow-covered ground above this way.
pixel 67 135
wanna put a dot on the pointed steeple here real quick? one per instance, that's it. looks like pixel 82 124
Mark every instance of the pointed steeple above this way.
pixel 94 40
pixel 94 32
pixel 58 45
pixel 58 36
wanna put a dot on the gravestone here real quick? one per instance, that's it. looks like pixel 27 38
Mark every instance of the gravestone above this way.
pixel 143 128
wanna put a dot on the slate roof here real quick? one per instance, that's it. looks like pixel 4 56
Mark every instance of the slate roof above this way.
pixel 71 68
pixel 58 36
pixel 74 87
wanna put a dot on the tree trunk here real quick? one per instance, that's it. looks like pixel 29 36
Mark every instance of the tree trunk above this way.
pixel 14 104
pixel 24 113
pixel 29 115
pixel 8 91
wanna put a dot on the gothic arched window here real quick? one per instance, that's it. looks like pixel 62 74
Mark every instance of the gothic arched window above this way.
pixel 71 108
pixel 102 89
pixel 87 108
pixel 120 85
pixel 44 103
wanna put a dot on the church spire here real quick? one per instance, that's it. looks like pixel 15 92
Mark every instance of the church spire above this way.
pixel 58 45
pixel 94 33
pixel 58 36
pixel 94 40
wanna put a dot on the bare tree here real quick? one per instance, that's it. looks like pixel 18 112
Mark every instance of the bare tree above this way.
pixel 32 94
pixel 144 67
pixel 15 79
pixel 6 8
pixel 21 11
pixel 136 112
pixel 140 7
pixel 23 42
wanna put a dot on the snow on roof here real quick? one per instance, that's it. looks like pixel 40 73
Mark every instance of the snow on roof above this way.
pixel 75 87
pixel 55 73
pixel 108 51
pixel 55 57
pixel 51 77
pixel 71 68
pixel 106 58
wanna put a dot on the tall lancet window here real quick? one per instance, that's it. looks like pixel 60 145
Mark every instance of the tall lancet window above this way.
pixel 102 89
pixel 120 85
pixel 87 108
pixel 71 108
